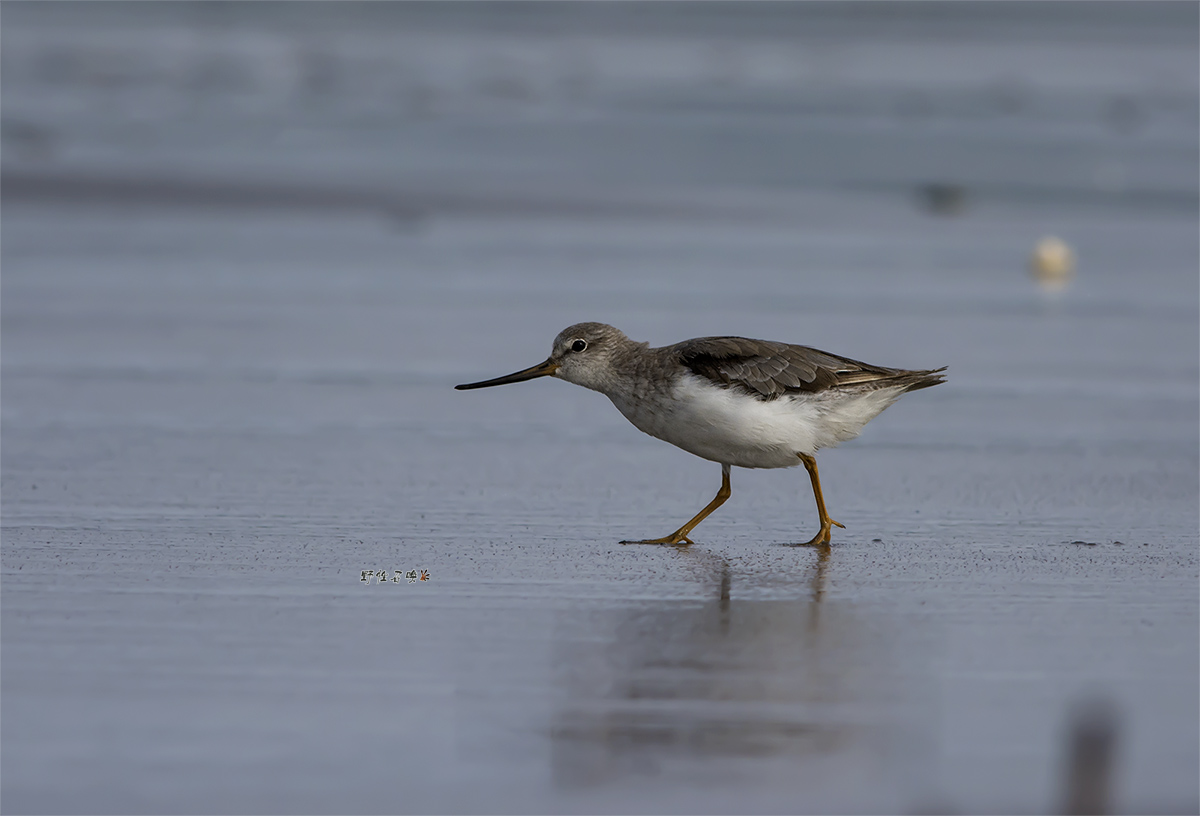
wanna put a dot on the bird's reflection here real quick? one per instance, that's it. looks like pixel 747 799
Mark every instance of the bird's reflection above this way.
pixel 817 586
pixel 729 677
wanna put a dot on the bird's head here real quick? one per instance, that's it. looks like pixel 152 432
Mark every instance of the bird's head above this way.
pixel 581 354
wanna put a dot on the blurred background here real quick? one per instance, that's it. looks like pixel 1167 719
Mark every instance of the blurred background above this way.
pixel 249 247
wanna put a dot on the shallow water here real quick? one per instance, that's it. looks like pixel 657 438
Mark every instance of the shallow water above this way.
pixel 215 419
pixel 199 464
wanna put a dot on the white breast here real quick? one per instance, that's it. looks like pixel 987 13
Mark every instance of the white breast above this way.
pixel 732 427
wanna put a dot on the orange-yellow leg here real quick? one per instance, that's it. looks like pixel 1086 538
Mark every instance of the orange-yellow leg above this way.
pixel 680 536
pixel 827 523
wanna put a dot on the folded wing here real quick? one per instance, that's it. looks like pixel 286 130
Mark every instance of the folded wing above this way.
pixel 770 370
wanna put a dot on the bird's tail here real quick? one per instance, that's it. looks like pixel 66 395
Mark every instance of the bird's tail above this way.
pixel 916 380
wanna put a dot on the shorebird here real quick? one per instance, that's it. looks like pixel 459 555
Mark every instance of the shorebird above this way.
pixel 731 400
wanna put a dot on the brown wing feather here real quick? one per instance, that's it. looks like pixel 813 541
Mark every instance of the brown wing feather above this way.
pixel 770 369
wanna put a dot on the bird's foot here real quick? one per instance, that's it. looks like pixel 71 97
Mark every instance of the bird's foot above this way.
pixel 677 538
pixel 823 536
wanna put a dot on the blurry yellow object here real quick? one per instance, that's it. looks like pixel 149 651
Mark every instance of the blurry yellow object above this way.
pixel 1053 263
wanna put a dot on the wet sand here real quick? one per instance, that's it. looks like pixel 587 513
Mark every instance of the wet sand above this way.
pixel 201 455
pixel 218 413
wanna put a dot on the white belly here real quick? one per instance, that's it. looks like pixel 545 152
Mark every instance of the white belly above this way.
pixel 734 428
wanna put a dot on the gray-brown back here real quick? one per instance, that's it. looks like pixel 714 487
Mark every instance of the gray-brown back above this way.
pixel 769 369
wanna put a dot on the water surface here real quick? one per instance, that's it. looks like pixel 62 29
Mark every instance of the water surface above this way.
pixel 218 412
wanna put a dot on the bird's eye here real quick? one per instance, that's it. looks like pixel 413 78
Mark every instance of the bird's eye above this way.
pixel 579 345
